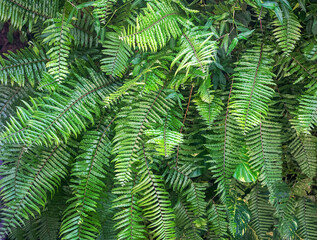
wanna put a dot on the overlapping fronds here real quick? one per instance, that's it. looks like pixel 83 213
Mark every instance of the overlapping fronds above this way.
pixel 265 148
pixel 151 30
pixel 217 219
pixel 306 212
pixel 303 148
pixel 10 97
pixel 29 176
pixel 102 9
pixel 306 115
pixel 87 177
pixel 252 87
pixel 155 202
pixel 195 50
pixel 261 211
pixel 134 119
pixel 28 63
pixel 129 220
pixel 70 111
pixel 287 33
pixel 58 37
pixel 21 12
pixel 117 55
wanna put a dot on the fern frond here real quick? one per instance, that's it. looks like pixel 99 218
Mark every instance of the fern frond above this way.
pixel 9 97
pixel 152 29
pixel 155 202
pixel 261 212
pixel 209 111
pixel 303 148
pixel 28 63
pixel 87 183
pixel 69 110
pixel 21 12
pixel 265 149
pixel 217 219
pixel 287 33
pixel 129 218
pixel 195 50
pixel 117 55
pixel 134 119
pixel 25 185
pixel 102 9
pixel 306 115
pixel 58 37
pixel 252 86
pixel 187 225
pixel 306 213
pixel 83 30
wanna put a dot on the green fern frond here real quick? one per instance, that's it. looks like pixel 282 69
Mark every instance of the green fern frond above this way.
pixel 152 29
pixel 69 110
pixel 303 149
pixel 87 183
pixel 155 203
pixel 44 168
pixel 136 116
pixel 252 86
pixel 209 111
pixel 265 149
pixel 83 30
pixel 310 51
pixel 217 219
pixel 58 37
pixel 117 55
pixel 187 225
pixel 306 115
pixel 130 222
pixel 306 213
pixel 102 9
pixel 10 97
pixel 21 12
pixel 27 62
pixel 287 33
pixel 195 50
pixel 261 212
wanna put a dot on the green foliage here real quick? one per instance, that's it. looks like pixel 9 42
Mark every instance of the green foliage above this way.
pixel 160 119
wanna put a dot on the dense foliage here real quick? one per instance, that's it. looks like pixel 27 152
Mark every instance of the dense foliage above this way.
pixel 167 119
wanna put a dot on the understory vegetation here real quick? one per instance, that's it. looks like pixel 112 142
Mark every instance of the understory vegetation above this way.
pixel 159 119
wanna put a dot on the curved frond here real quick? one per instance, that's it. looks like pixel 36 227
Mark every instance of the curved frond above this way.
pixel 27 62
pixel 252 86
pixel 287 33
pixel 152 29
pixel 58 37
pixel 27 181
pixel 303 148
pixel 195 50
pixel 102 9
pixel 117 55
pixel 88 174
pixel 20 12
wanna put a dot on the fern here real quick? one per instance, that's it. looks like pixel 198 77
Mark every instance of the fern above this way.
pixel 28 62
pixel 59 38
pixel 195 50
pixel 303 148
pixel 118 53
pixel 287 33
pixel 306 213
pixel 87 185
pixel 103 9
pixel 149 29
pixel 44 172
pixel 252 86
pixel 21 12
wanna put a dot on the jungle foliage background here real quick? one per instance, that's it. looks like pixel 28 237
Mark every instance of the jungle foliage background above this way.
pixel 166 119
